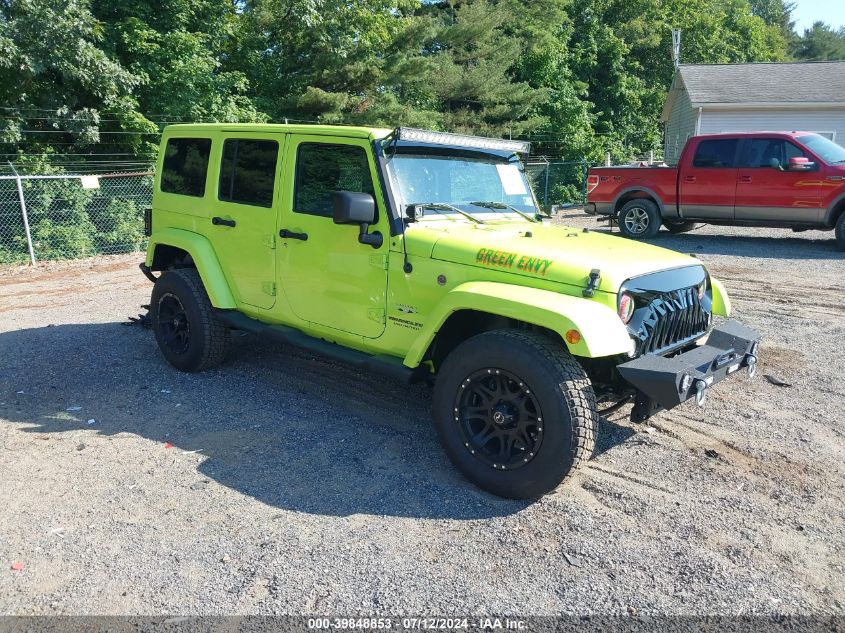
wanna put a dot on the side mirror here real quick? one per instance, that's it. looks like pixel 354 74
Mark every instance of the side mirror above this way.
pixel 352 207
pixel 801 163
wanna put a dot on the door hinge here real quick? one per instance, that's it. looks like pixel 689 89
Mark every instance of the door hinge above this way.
pixel 269 240
pixel 268 288
pixel 379 261
pixel 376 314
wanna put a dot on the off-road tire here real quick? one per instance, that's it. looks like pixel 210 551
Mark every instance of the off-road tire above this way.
pixel 560 386
pixel 680 227
pixel 840 231
pixel 208 340
pixel 639 219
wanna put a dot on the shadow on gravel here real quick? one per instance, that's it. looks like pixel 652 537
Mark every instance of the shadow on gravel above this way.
pixel 786 247
pixel 274 423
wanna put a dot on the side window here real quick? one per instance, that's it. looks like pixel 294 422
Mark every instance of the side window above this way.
pixel 248 172
pixel 185 166
pixel 322 169
pixel 771 152
pixel 715 153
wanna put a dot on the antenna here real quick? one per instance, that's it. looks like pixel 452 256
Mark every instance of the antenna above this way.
pixel 676 47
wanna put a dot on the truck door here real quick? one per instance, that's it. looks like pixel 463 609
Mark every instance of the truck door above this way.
pixel 766 189
pixel 707 184
pixel 243 214
pixel 328 277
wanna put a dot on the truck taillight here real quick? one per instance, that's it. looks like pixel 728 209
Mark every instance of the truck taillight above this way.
pixel 148 221
pixel 592 183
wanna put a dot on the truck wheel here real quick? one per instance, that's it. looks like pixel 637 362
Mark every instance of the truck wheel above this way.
pixel 515 412
pixel 639 219
pixel 840 231
pixel 187 332
pixel 680 227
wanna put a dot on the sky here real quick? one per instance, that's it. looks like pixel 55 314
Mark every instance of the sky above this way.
pixel 808 11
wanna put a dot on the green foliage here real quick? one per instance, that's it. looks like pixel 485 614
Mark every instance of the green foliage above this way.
pixel 578 78
pixel 820 42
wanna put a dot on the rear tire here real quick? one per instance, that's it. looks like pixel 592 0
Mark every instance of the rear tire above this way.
pixel 526 412
pixel 840 231
pixel 639 219
pixel 187 331
pixel 680 227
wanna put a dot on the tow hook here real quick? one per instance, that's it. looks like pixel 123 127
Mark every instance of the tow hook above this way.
pixel 752 365
pixel 700 392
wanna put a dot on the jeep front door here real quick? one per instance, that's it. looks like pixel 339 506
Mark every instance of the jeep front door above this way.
pixel 327 276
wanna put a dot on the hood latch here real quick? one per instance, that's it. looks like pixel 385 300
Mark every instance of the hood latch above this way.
pixel 592 283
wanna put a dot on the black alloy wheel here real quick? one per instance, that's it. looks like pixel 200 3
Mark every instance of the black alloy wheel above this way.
pixel 174 325
pixel 499 418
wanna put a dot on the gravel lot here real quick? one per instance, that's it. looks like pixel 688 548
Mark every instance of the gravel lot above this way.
pixel 296 485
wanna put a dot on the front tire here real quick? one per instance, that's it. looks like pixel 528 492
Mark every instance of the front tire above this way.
pixel 639 219
pixel 188 333
pixel 515 412
pixel 840 231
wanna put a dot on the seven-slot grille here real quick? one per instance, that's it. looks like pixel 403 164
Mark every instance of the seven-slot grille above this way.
pixel 672 319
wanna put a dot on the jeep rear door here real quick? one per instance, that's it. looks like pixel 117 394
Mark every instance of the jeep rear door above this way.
pixel 327 276
pixel 243 213
pixel 767 191
pixel 707 179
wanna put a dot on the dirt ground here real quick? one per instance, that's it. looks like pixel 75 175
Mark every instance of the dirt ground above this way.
pixel 285 483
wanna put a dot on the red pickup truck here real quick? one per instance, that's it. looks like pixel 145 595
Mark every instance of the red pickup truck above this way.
pixel 778 179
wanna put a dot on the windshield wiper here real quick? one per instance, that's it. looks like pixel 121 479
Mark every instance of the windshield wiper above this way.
pixel 502 205
pixel 442 206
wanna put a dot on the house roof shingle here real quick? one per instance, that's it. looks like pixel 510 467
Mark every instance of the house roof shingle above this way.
pixel 796 82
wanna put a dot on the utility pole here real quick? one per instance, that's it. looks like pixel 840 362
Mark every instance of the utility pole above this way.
pixel 676 48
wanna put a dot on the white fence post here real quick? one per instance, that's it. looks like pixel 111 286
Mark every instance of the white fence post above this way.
pixel 22 201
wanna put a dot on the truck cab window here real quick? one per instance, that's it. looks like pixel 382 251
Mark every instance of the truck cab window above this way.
pixel 324 168
pixel 185 166
pixel 771 152
pixel 715 153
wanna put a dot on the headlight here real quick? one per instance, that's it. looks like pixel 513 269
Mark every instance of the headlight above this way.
pixel 626 307
pixel 702 288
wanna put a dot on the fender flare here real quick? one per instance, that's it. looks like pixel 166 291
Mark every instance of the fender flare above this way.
pixel 721 300
pixel 828 217
pixel 205 259
pixel 602 332
pixel 640 188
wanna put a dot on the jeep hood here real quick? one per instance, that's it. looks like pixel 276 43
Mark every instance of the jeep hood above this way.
pixel 557 253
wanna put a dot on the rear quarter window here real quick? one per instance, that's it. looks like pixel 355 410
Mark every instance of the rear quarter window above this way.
pixel 185 166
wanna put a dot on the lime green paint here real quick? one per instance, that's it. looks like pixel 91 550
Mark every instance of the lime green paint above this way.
pixel 602 333
pixel 721 300
pixel 205 259
pixel 334 288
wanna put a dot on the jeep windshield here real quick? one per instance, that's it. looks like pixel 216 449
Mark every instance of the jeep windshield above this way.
pixel 460 184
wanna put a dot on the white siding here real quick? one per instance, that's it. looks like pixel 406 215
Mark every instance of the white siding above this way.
pixel 679 126
pixel 829 121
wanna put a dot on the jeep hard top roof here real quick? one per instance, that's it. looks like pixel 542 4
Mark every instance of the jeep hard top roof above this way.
pixel 281 128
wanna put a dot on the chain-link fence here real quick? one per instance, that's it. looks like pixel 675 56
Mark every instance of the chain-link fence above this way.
pixel 557 183
pixel 64 217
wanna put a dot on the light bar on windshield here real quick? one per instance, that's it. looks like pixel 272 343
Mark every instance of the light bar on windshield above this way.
pixel 462 140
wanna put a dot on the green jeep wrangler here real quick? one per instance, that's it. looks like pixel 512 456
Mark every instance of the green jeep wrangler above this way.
pixel 424 255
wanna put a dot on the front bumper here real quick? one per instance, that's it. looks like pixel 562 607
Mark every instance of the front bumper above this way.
pixel 665 382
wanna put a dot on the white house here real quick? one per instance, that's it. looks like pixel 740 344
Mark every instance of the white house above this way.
pixel 716 98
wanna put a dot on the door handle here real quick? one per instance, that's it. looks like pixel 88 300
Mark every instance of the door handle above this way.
pixel 746 179
pixel 293 235
pixel 689 178
pixel 217 221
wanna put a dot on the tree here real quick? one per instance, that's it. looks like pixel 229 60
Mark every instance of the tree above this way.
pixel 820 42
